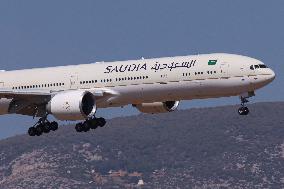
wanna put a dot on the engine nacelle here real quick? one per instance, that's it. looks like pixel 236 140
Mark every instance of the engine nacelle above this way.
pixel 5 105
pixel 157 107
pixel 72 105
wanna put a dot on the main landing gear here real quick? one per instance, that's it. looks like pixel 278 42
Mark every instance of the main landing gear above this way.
pixel 89 124
pixel 243 110
pixel 42 126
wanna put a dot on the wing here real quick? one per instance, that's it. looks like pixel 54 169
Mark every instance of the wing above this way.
pixel 25 102
pixel 23 93
pixel 26 94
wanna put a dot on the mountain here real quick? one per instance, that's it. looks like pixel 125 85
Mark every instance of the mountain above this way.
pixel 196 148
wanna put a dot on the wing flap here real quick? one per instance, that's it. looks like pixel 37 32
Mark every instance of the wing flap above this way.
pixel 20 94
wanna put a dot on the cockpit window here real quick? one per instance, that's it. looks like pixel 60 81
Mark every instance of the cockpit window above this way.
pixel 253 67
pixel 262 66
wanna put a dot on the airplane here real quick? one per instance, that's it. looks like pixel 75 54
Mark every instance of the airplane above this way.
pixel 152 86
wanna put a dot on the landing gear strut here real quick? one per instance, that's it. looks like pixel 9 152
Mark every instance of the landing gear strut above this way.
pixel 243 110
pixel 42 126
pixel 89 124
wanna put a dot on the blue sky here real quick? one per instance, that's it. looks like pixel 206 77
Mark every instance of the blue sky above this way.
pixel 37 33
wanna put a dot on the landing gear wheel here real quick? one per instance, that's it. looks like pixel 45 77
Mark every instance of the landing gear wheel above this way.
pixel 86 126
pixel 53 126
pixel 101 122
pixel 240 111
pixel 243 111
pixel 79 127
pixel 39 129
pixel 246 110
pixel 42 126
pixel 93 123
pixel 46 127
pixel 32 131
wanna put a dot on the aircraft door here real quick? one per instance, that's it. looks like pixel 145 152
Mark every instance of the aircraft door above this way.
pixel 74 81
pixel 224 69
pixel 1 84
pixel 251 76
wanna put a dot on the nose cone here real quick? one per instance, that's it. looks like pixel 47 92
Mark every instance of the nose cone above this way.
pixel 263 78
pixel 271 75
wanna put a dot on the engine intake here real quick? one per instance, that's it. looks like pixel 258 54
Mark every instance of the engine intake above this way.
pixel 157 107
pixel 72 105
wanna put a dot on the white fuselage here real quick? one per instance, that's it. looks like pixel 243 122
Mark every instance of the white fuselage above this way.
pixel 149 80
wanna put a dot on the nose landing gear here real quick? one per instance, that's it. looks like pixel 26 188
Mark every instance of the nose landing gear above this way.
pixel 243 110
pixel 42 126
pixel 89 124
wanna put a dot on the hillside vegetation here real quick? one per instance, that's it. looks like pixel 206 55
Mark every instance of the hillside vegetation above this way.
pixel 197 148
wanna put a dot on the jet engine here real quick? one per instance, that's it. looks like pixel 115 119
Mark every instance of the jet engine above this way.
pixel 157 107
pixel 72 105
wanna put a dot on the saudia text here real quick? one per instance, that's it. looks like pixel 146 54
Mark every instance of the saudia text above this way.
pixel 157 67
